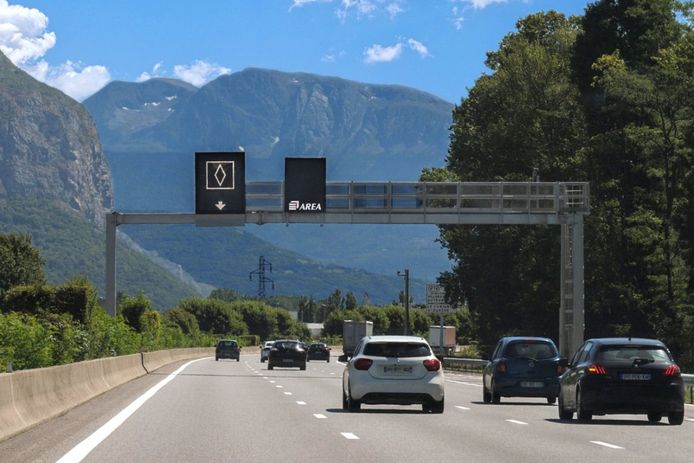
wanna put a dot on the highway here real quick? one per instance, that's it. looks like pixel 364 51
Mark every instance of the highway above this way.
pixel 239 411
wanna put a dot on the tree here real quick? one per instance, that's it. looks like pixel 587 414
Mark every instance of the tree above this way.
pixel 350 301
pixel 215 316
pixel 133 308
pixel 20 262
pixel 225 294
pixel 526 113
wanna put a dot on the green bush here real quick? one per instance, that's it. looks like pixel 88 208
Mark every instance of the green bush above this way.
pixel 249 340
pixel 77 298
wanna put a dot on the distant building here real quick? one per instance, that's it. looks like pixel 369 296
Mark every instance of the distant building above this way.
pixel 316 329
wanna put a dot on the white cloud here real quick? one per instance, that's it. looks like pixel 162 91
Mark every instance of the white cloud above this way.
pixel 73 79
pixel 155 73
pixel 332 56
pixel 458 18
pixel 23 35
pixel 419 47
pixel 25 40
pixel 380 54
pixel 481 4
pixel 199 72
pixel 393 9
pixel 300 3
pixel 360 7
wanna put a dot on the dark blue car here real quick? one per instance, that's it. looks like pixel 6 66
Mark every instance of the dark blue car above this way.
pixel 523 367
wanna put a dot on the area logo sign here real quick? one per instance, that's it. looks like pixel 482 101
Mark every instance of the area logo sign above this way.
pixel 298 206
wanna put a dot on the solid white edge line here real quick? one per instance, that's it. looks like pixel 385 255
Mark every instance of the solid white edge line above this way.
pixel 81 450
pixel 689 419
pixel 462 408
pixel 320 416
pixel 517 422
pixel 349 435
pixel 605 444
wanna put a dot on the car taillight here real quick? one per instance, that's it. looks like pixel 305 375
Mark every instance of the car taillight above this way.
pixel 501 366
pixel 363 364
pixel 597 369
pixel 672 370
pixel 432 364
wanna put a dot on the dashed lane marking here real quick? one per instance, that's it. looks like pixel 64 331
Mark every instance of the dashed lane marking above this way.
pixel 279 386
pixel 349 435
pixel 272 381
pixel 605 444
pixel 464 383
pixel 462 408
pixel 689 419
pixel 320 416
pixel 287 393
pixel 300 402
pixel 517 422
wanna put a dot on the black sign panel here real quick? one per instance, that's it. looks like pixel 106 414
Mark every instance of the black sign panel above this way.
pixel 304 185
pixel 220 183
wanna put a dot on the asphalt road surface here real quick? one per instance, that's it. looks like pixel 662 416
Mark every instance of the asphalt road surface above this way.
pixel 239 411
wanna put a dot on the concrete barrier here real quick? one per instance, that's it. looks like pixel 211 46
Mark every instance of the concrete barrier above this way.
pixel 29 397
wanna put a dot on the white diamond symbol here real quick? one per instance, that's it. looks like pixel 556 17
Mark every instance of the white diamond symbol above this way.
pixel 220 174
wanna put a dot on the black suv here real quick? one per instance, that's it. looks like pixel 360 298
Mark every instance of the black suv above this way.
pixel 287 353
pixel 622 375
pixel 227 349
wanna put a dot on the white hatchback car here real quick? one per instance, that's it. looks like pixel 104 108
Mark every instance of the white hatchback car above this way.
pixel 398 370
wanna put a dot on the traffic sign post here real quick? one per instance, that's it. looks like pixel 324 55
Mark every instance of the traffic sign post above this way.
pixel 220 183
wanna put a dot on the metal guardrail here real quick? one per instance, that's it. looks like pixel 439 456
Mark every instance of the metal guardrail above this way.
pixel 688 380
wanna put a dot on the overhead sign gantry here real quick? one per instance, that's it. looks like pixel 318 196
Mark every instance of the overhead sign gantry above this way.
pixel 439 203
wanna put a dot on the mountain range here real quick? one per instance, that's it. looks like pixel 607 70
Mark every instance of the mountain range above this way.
pixel 151 130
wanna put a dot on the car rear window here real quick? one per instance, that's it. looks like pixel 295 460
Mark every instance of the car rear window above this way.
pixel 538 350
pixel 630 353
pixel 397 349
pixel 287 345
pixel 227 344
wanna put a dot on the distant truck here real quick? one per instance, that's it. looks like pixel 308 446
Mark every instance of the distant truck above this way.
pixel 449 340
pixel 352 332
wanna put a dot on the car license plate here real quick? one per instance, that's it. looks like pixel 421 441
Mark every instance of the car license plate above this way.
pixel 636 377
pixel 532 384
pixel 397 370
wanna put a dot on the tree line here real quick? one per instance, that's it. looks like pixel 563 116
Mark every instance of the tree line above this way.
pixel 608 98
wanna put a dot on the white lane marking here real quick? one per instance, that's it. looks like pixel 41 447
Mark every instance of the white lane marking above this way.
pixel 349 435
pixel 265 377
pixel 689 405
pixel 464 383
pixel 81 450
pixel 279 386
pixel 320 416
pixel 516 422
pixel 272 382
pixel 341 363
pixel 332 373
pixel 300 402
pixel 287 393
pixel 689 419
pixel 461 407
pixel 605 444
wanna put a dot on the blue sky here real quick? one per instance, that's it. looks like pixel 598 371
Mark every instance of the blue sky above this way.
pixel 437 46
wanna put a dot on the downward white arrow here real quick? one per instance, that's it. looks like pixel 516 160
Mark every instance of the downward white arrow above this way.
pixel 220 205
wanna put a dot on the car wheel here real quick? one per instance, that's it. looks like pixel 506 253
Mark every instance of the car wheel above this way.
pixel 654 418
pixel 262 360
pixel 345 405
pixel 269 366
pixel 551 400
pixel 496 397
pixel 564 414
pixel 238 359
pixel 302 367
pixel 433 407
pixel 308 360
pixel 675 418
pixel 581 413
pixel 327 360
pixel 486 395
pixel 352 404
pixel 216 359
